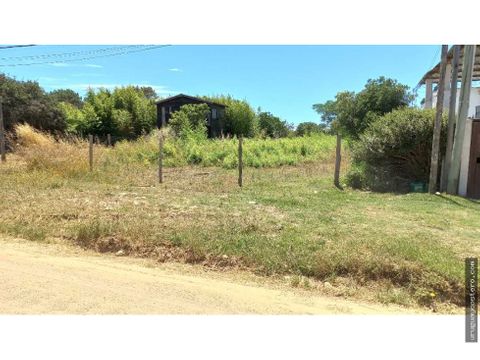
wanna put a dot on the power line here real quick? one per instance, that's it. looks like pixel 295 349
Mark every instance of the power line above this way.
pixel 15 46
pixel 69 54
pixel 145 48
pixel 437 52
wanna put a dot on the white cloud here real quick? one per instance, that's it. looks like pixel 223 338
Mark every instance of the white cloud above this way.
pixel 175 70
pixel 163 90
pixel 60 64
pixel 93 66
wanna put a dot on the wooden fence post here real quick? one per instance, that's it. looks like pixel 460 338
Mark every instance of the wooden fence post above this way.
pixel 97 140
pixel 109 140
pixel 90 151
pixel 2 134
pixel 160 157
pixel 338 159
pixel 240 161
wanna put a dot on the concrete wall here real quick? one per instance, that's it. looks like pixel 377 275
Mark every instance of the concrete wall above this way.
pixel 474 100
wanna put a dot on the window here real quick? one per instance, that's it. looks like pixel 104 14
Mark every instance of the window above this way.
pixel 214 113
pixel 477 112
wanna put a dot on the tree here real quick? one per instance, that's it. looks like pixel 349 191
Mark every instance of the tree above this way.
pixel 123 122
pixel 351 113
pixel 240 118
pixel 272 126
pixel 141 108
pixel 102 104
pixel 125 112
pixel 327 112
pixel 27 102
pixel 190 120
pixel 148 92
pixel 66 96
pixel 74 118
pixel 308 128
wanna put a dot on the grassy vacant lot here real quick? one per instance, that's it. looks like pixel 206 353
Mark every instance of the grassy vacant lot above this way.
pixel 289 220
pixel 223 153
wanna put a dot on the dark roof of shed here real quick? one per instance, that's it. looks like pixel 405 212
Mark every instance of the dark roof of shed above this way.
pixel 163 101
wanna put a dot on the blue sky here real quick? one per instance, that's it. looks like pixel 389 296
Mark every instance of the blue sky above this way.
pixel 285 80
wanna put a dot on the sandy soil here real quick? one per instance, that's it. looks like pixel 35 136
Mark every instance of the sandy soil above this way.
pixel 53 279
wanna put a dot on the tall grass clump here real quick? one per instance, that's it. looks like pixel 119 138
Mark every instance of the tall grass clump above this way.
pixel 41 151
pixel 69 157
pixel 223 152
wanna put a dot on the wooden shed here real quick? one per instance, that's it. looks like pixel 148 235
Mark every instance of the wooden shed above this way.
pixel 166 107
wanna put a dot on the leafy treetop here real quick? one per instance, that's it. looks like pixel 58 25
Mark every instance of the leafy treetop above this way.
pixel 351 113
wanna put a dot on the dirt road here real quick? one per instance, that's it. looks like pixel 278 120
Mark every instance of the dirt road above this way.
pixel 52 279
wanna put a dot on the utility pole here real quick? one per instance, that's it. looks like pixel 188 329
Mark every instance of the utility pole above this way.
pixel 432 184
pixel 452 116
pixel 2 134
pixel 464 102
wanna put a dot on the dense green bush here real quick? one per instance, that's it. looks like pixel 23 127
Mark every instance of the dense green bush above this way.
pixel 240 118
pixel 75 119
pixel 190 121
pixel 124 112
pixel 394 151
pixel 26 102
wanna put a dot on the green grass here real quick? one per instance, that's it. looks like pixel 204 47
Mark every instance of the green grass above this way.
pixel 287 220
pixel 223 152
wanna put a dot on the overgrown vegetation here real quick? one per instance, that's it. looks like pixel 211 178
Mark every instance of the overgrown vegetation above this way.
pixel 223 152
pixel 285 220
pixel 190 121
pixel 240 118
pixel 272 126
pixel 41 150
pixel 394 151
pixel 126 112
pixel 309 128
